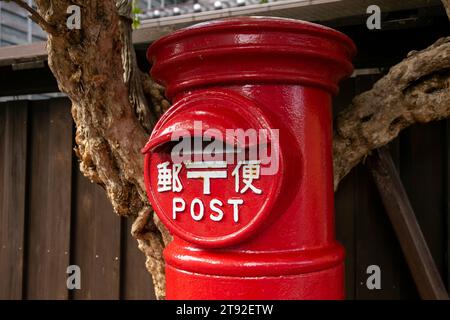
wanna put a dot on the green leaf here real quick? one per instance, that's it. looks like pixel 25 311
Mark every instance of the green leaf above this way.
pixel 135 10
pixel 136 23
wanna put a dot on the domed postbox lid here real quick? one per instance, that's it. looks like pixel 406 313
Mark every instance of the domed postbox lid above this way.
pixel 253 50
pixel 212 168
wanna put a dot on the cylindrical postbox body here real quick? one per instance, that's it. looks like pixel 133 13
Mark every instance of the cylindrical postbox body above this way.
pixel 241 232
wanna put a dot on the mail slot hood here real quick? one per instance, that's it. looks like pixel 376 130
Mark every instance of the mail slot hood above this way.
pixel 208 112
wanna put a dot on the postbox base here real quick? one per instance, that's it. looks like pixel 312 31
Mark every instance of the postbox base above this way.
pixel 320 285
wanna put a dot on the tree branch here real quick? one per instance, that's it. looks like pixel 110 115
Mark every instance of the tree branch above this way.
pixel 35 16
pixel 131 73
pixel 155 93
pixel 416 90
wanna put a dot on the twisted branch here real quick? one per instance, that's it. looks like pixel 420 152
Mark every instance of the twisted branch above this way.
pixel 414 91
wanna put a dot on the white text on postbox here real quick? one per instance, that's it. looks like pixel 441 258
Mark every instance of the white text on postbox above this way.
pixel 242 179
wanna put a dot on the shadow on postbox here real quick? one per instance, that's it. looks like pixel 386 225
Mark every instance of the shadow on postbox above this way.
pixel 213 168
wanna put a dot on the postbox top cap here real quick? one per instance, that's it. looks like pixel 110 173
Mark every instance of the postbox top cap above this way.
pixel 249 50
pixel 258 22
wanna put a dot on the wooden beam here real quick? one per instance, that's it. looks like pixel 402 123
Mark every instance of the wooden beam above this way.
pixel 26 81
pixel 347 12
pixel 11 55
pixel 406 227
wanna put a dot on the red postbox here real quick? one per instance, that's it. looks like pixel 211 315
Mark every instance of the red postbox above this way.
pixel 239 169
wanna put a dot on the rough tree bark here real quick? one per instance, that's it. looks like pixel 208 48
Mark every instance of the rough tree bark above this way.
pixel 96 67
pixel 415 90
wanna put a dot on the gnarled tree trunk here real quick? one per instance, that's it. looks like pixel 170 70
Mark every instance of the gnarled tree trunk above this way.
pixel 96 67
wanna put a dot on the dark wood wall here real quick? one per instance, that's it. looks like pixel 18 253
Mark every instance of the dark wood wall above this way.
pixel 51 216
pixel 421 154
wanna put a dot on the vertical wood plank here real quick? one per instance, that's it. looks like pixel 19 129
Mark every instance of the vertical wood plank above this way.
pixel 96 243
pixel 50 200
pixel 13 156
pixel 447 201
pixel 344 200
pixel 345 211
pixel 344 97
pixel 422 156
pixel 376 243
pixel 136 282
pixel 398 207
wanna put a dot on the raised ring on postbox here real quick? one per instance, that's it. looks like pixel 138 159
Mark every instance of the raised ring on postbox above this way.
pixel 214 168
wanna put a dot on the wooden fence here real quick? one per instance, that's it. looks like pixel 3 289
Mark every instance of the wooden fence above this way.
pixel 52 217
